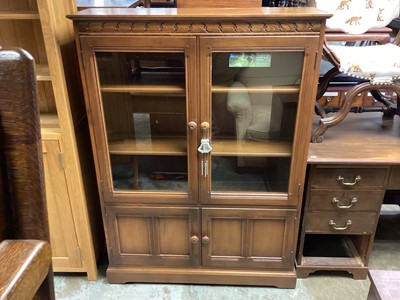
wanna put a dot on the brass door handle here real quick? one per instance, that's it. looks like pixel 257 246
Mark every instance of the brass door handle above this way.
pixel 192 125
pixel 194 239
pixel 338 227
pixel 337 202
pixel 205 239
pixel 341 179
pixel 205 126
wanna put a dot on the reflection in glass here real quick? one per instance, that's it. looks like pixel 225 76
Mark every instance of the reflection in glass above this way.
pixel 144 105
pixel 254 106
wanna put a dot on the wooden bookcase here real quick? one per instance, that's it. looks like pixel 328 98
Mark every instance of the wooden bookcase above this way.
pixel 159 89
pixel 41 28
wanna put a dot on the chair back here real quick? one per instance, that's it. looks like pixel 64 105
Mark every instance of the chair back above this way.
pixel 358 16
pixel 218 4
pixel 23 212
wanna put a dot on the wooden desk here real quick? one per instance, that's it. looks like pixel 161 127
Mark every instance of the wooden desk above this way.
pixel 83 4
pixel 385 285
pixel 348 175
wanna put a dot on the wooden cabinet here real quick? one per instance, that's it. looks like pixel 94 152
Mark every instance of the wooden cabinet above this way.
pixel 340 217
pixel 41 28
pixel 200 126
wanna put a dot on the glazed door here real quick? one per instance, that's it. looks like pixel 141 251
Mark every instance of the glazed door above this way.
pixel 255 116
pixel 144 126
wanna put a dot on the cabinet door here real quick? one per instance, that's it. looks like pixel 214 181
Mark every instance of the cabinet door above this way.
pixel 258 104
pixel 153 236
pixel 144 126
pixel 63 239
pixel 247 238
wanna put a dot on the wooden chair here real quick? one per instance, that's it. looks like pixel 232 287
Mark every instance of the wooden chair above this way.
pixel 25 254
pixel 376 67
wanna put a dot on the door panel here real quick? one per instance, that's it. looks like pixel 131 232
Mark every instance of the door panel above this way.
pixel 247 238
pixel 256 92
pixel 153 236
pixel 143 117
pixel 63 239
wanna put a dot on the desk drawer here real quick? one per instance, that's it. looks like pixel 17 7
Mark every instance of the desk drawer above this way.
pixel 348 178
pixel 339 200
pixel 340 223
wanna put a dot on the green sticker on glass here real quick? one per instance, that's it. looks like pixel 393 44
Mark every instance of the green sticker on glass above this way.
pixel 249 59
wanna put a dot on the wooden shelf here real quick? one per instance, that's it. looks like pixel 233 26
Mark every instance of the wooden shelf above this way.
pixel 177 147
pixel 251 148
pixel 19 15
pixel 42 72
pixel 144 89
pixel 150 84
pixel 160 146
pixel 257 89
pixel 50 127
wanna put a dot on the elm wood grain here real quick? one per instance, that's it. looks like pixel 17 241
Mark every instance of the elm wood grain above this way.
pixel 144 89
pixel 265 13
pixel 257 89
pixel 257 239
pixel 198 34
pixel 221 147
pixel 164 236
pixel 24 264
pixel 280 279
pixel 268 148
pixel 384 285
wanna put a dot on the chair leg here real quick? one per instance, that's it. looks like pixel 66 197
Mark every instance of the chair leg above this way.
pixel 346 105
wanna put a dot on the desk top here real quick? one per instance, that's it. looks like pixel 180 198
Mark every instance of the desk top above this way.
pixel 364 138
pixel 82 4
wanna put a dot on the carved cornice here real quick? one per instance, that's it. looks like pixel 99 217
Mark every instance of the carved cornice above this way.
pixel 187 27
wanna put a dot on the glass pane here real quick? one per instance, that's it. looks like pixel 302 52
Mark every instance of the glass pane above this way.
pixel 254 106
pixel 144 105
pixel 149 173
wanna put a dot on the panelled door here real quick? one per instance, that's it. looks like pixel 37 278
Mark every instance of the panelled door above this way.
pixel 144 122
pixel 248 238
pixel 154 236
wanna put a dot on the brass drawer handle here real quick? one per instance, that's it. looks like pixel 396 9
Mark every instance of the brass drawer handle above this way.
pixel 341 179
pixel 337 227
pixel 337 202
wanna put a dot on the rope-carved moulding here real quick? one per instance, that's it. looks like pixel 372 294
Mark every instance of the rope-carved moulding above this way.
pixel 239 27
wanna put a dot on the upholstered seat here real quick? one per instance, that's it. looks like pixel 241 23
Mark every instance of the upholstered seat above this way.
pixel 377 65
